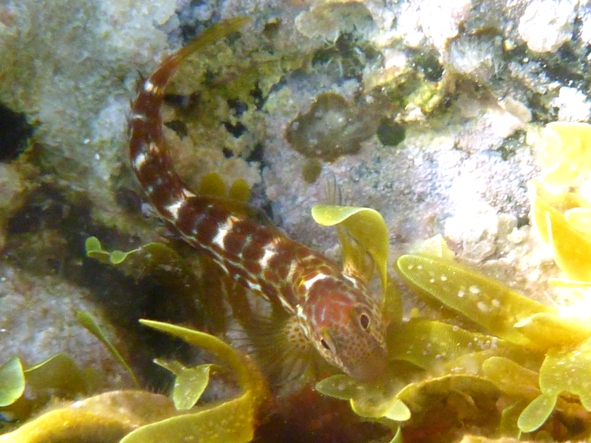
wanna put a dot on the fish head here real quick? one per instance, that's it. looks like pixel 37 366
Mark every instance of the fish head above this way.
pixel 347 327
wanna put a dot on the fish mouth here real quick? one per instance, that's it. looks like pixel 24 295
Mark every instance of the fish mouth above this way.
pixel 372 368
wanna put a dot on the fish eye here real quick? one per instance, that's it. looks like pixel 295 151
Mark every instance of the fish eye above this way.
pixel 324 344
pixel 364 321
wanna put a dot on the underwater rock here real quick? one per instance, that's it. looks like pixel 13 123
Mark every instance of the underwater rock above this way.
pixel 572 104
pixel 13 193
pixel 331 128
pixel 546 25
pixel 38 320
pixel 477 56
pixel 330 20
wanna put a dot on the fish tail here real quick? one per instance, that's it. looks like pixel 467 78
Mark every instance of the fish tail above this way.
pixel 147 147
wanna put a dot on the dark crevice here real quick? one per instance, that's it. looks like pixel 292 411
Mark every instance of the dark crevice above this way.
pixel 47 237
pixel 15 132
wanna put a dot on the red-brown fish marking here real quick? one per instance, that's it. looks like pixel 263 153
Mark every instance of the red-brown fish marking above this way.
pixel 335 311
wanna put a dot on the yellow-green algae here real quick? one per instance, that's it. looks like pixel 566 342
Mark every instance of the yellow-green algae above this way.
pixel 12 381
pixel 531 355
pixel 521 351
pixel 230 421
pixel 58 376
pixel 102 418
pixel 138 416
pixel 91 326
pixel 363 236
pixel 561 196
pixel 189 383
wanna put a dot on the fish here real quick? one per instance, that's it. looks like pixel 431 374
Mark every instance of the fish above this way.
pixel 333 311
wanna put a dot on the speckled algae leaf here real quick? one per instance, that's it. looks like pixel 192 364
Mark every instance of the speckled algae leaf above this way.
pixel 104 418
pixel 563 371
pixel 510 377
pixel 568 370
pixel 370 401
pixel 230 421
pixel 12 381
pixel 431 344
pixel 484 301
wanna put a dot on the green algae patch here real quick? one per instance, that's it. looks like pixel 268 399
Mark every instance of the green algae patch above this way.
pixel 189 383
pixel 58 377
pixel 531 358
pixel 231 421
pixel 138 416
pixel 571 247
pixel 249 377
pixel 60 373
pixel 363 235
pixel 367 400
pixel 534 357
pixel 12 381
pixel 536 413
pixel 567 371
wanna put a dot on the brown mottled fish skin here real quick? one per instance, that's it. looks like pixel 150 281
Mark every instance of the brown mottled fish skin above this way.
pixel 336 312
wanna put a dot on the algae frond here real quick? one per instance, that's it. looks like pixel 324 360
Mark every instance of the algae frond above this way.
pixel 515 351
pixel 140 416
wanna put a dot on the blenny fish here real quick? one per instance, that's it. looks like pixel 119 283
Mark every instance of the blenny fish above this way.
pixel 334 311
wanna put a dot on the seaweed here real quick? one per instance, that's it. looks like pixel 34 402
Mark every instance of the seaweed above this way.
pixel 231 421
pixel 140 416
pixel 91 326
pixel 520 352
pixel 12 381
pixel 23 391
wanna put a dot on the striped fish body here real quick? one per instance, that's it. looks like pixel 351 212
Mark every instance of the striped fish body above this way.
pixel 336 312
